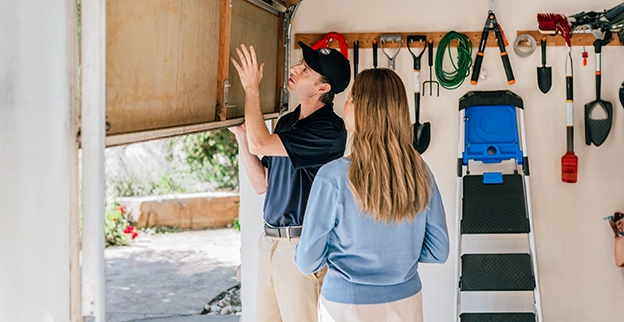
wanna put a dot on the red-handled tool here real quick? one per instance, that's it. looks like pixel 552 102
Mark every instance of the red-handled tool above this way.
pixel 550 23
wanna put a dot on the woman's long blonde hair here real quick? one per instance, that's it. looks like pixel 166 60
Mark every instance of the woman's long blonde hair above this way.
pixel 388 177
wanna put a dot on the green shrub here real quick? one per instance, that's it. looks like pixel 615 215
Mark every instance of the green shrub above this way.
pixel 236 224
pixel 213 156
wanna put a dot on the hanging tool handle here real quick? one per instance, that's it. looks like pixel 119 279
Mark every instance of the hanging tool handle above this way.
pixel 430 51
pixel 508 71
pixel 569 103
pixel 417 107
pixel 417 94
pixel 543 51
pixel 598 50
pixel 476 69
pixel 500 38
pixel 375 54
pixel 416 81
pixel 416 38
pixel 356 57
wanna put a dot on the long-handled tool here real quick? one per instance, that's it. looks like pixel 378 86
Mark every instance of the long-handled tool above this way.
pixel 622 95
pixel 597 129
pixel 492 23
pixel 431 82
pixel 422 132
pixel 544 74
pixel 356 57
pixel 550 23
pixel 393 38
pixel 374 53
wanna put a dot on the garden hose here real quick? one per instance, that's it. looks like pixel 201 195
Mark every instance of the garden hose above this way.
pixel 461 69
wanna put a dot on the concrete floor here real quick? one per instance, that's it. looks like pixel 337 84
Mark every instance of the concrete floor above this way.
pixel 170 277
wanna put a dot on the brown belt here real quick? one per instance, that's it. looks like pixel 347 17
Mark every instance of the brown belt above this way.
pixel 282 232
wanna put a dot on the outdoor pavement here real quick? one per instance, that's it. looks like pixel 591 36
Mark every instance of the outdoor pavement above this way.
pixel 170 277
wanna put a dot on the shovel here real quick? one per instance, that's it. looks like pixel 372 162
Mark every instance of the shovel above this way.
pixel 544 74
pixel 422 132
pixel 597 129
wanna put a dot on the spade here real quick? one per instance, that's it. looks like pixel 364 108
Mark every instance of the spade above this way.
pixel 544 74
pixel 422 132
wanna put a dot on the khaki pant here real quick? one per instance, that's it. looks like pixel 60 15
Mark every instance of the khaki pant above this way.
pixel 284 293
pixel 405 310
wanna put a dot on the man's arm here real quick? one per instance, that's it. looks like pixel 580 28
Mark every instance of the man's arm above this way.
pixel 260 141
pixel 256 172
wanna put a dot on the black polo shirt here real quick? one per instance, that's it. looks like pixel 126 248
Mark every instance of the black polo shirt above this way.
pixel 310 143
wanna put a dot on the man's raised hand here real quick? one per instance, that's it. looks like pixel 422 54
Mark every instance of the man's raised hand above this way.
pixel 248 70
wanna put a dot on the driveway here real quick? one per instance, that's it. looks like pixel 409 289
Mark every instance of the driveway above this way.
pixel 170 275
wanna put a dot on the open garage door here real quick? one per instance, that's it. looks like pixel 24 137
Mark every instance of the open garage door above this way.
pixel 168 70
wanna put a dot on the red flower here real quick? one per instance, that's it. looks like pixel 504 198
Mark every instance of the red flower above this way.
pixel 129 229
pixel 121 209
pixel 134 235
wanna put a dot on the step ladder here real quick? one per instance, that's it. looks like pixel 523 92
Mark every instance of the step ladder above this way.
pixel 495 205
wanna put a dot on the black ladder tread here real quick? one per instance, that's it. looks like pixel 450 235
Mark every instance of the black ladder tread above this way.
pixel 494 208
pixel 497 272
pixel 497 317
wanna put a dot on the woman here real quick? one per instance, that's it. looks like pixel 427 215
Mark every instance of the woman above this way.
pixel 374 215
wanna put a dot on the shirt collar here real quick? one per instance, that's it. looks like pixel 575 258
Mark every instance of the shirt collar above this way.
pixel 320 113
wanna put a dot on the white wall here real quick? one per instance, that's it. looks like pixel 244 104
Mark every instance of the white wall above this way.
pixel 575 246
pixel 251 222
pixel 34 161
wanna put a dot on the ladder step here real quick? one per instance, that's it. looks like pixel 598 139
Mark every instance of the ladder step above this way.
pixel 497 272
pixel 494 208
pixel 497 317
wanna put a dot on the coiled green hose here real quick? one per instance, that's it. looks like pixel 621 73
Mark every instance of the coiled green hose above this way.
pixel 461 69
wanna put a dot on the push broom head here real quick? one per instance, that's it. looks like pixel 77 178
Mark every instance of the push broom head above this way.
pixel 569 167
pixel 552 23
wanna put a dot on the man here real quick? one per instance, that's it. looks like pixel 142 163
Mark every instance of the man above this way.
pixel 304 140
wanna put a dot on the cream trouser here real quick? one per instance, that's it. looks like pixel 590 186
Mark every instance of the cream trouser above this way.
pixel 405 310
pixel 284 293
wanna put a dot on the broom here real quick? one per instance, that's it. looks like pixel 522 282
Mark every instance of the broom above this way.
pixel 557 23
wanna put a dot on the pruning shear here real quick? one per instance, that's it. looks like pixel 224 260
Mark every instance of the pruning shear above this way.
pixel 492 24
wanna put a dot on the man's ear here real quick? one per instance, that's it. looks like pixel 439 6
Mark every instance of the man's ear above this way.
pixel 324 88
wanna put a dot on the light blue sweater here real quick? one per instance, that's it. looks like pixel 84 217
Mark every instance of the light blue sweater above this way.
pixel 369 262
